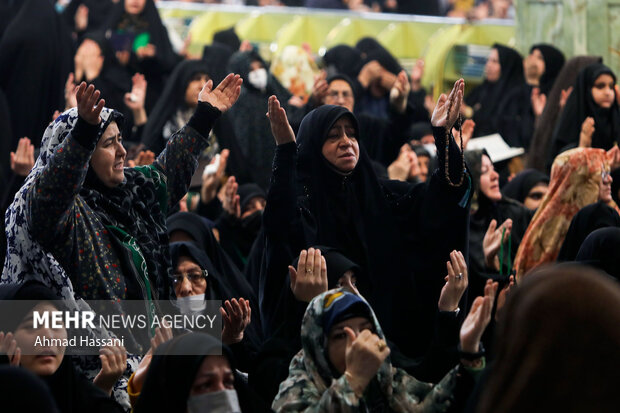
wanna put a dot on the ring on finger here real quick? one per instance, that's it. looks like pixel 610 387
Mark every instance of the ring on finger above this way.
pixel 459 276
pixel 381 345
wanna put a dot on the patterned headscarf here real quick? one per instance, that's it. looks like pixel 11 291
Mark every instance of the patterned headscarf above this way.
pixel 575 180
pixel 311 374
pixel 25 258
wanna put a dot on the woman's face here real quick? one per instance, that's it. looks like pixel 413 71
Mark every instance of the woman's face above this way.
pixel 348 281
pixel 534 65
pixel 492 69
pixel 423 162
pixel 337 340
pixel 489 180
pixel 188 278
pixel 40 360
pixel 340 93
pixel 193 89
pixel 604 189
pixel 535 196
pixel 341 148
pixel 213 375
pixel 134 6
pixel 109 157
pixel 603 91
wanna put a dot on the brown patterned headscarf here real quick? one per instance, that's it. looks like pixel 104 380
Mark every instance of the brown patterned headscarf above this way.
pixel 575 180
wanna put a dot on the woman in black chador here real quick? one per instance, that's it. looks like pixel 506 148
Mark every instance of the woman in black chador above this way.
pixel 325 191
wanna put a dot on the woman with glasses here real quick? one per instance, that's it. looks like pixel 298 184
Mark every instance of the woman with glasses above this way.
pixel 195 280
pixel 579 177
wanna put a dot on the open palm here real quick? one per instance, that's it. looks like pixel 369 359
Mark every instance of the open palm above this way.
pixel 224 95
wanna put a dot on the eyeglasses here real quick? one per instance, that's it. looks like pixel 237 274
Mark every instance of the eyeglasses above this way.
pixel 335 93
pixel 194 276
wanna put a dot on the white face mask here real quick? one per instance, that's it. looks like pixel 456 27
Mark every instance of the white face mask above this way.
pixel 191 303
pixel 258 78
pixel 431 148
pixel 224 401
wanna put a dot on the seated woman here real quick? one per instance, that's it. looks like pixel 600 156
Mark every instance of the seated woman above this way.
pixel 344 363
pixel 71 390
pixel 324 191
pixel 195 383
pixel 579 177
pixel 591 117
pixel 557 314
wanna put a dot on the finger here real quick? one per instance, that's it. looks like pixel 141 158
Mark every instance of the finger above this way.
pixel 350 337
pixel 12 155
pixel 292 275
pixel 301 265
pixel 224 315
pixel 323 271
pixel 462 265
pixel 318 262
pixel 99 107
pixel 80 92
pixel 105 364
pixel 442 100
pixel 310 260
pixel 451 274
pixel 229 308
pixel 492 227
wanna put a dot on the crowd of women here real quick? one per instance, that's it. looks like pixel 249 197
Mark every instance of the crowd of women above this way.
pixel 365 258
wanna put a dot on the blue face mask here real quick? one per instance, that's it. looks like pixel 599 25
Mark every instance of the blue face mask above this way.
pixel 224 401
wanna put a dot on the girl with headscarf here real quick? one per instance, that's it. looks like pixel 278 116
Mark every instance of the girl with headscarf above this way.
pixel 195 373
pixel 593 96
pixel 557 345
pixel 141 44
pixel 176 104
pixel 324 191
pixel 600 250
pixel 579 177
pixel 503 74
pixel 541 140
pixel 71 390
pixel 519 109
pixel 489 204
pixel 344 364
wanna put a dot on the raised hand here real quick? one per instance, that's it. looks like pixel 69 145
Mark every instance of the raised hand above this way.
pixel 22 160
pixel 319 88
pixel 113 365
pixel 468 131
pixel 224 95
pixel 400 92
pixel 493 240
pixel 613 156
pixel 417 72
pixel 503 294
pixel 211 181
pixel 232 201
pixel 587 130
pixel 146 51
pixel 8 346
pixel 441 117
pixel 81 18
pixel 539 100
pixel 135 99
pixel 310 277
pixel 363 357
pixel 406 166
pixel 70 90
pixel 456 282
pixel 564 96
pixel 478 319
pixel 162 334
pixel 237 316
pixel 280 128
pixel 88 103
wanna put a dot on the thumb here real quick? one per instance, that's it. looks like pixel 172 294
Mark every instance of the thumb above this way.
pixel 208 86
pixel 492 226
pixel 12 158
pixel 350 337
pixel 293 274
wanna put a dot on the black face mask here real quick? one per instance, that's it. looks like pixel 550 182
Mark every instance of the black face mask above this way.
pixel 252 223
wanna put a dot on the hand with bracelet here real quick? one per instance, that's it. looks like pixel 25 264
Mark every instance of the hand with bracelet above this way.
pixel 474 325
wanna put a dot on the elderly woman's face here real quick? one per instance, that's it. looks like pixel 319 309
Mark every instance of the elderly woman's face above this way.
pixel 189 278
pixel 340 93
pixel 337 340
pixel 109 157
pixel 213 375
pixel 341 148
pixel 40 360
